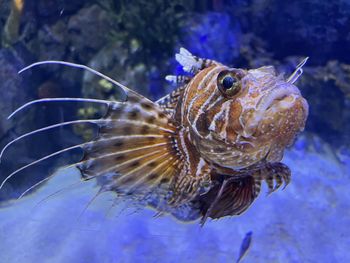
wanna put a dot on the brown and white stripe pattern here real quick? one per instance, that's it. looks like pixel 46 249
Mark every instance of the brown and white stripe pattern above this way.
pixel 193 141
pixel 204 108
pixel 135 147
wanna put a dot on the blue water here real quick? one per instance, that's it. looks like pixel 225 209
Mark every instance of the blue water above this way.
pixel 306 222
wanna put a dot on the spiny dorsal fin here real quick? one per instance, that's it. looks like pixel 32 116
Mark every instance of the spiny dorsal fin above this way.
pixel 190 63
pixel 169 102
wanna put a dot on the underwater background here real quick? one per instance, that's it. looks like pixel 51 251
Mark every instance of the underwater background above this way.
pixel 135 42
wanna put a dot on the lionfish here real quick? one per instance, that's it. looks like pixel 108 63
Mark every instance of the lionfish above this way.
pixel 207 146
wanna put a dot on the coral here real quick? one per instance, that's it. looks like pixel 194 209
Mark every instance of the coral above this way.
pixel 296 27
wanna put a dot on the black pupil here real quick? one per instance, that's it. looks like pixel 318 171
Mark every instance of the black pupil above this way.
pixel 228 82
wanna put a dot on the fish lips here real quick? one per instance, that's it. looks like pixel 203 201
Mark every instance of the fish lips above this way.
pixel 280 98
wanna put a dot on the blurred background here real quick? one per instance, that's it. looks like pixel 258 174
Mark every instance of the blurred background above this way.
pixel 135 42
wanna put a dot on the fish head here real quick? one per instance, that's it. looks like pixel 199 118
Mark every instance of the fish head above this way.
pixel 240 117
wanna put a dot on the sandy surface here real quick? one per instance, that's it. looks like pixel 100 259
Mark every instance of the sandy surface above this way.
pixel 307 222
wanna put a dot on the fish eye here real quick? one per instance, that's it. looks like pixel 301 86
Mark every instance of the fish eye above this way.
pixel 228 83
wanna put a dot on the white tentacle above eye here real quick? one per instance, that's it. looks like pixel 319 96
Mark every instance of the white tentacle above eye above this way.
pixel 297 72
pixel 188 62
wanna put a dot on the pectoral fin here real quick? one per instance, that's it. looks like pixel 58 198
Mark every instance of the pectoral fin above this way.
pixel 274 174
pixel 135 147
pixel 229 197
pixel 232 195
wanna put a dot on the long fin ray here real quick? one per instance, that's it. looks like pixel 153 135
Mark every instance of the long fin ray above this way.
pixel 92 121
pixel 35 185
pixel 87 121
pixel 106 129
pixel 135 118
pixel 232 197
pixel 141 168
pixel 58 192
pixel 98 166
pixel 159 169
pixel 106 102
pixel 126 90
pixel 82 145
pixel 75 65
pixel 36 162
pixel 132 166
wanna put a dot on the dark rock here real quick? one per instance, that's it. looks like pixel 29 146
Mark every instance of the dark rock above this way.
pixel 50 11
pixel 13 89
pixel 89 30
pixel 50 42
pixel 297 27
pixel 4 13
pixel 327 90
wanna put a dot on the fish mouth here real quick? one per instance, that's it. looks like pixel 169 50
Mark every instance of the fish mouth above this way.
pixel 283 96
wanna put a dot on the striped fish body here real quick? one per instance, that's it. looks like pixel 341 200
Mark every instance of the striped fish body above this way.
pixel 254 125
pixel 221 121
pixel 237 131
pixel 208 145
